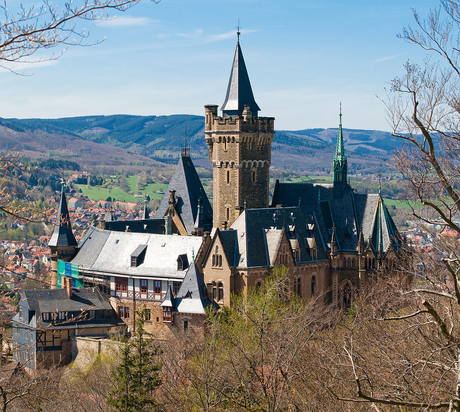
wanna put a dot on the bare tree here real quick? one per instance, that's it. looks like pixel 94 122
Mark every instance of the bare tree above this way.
pixel 255 355
pixel 28 30
pixel 417 343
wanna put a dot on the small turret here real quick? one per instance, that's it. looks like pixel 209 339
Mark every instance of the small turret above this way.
pixel 145 214
pixel 62 243
pixel 333 242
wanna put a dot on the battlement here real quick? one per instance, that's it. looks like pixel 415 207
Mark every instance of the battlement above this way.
pixel 237 124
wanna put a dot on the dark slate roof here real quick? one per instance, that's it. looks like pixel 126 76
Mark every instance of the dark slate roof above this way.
pixel 344 209
pixel 256 234
pixel 229 244
pixel 192 296
pixel 62 235
pixel 189 190
pixel 239 91
pixel 140 226
pixel 56 300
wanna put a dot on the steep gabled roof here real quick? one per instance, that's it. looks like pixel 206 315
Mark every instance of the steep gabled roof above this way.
pixel 258 233
pixel 239 91
pixel 62 235
pixel 349 213
pixel 193 296
pixel 189 191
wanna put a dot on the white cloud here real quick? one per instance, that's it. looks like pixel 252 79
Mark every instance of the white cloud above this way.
pixel 384 59
pixel 228 35
pixel 196 33
pixel 125 21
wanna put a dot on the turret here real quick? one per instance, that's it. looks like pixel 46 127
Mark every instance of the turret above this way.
pixel 62 243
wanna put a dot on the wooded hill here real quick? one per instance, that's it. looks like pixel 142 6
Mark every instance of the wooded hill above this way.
pixel 139 139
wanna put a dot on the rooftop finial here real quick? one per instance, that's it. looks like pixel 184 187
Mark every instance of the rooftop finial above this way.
pixel 193 255
pixel 238 32
pixel 184 152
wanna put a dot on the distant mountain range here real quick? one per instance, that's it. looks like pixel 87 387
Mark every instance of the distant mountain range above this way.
pixel 139 139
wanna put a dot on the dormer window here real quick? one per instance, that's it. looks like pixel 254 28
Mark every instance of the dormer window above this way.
pixel 182 262
pixel 137 257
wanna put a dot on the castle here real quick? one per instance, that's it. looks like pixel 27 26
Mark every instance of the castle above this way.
pixel 330 238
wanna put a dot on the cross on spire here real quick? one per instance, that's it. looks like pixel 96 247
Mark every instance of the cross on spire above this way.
pixel 238 32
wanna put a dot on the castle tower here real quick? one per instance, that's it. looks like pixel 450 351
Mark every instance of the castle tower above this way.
pixel 340 166
pixel 62 243
pixel 239 146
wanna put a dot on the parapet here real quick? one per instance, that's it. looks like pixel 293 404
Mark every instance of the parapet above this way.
pixel 245 123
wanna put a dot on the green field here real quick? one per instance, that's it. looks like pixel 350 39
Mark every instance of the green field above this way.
pixel 117 194
pixel 399 204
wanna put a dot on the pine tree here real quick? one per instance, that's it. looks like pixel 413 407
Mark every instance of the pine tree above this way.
pixel 137 375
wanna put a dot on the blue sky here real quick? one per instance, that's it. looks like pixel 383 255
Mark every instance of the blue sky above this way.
pixel 303 58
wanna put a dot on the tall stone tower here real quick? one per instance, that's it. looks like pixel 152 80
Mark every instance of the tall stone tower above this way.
pixel 239 146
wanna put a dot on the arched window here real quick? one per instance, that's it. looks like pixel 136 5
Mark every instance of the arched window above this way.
pixel 214 290
pixel 299 287
pixel 313 286
pixel 228 177
pixel 253 177
pixel 258 286
pixel 225 144
pixel 216 258
pixel 227 212
pixel 220 291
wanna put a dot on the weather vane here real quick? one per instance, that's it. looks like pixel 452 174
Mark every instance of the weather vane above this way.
pixel 238 31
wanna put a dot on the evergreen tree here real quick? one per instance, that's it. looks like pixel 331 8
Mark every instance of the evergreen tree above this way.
pixel 137 375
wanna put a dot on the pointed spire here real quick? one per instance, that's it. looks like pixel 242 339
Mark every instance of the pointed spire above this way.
pixel 192 296
pixel 239 91
pixel 169 298
pixel 340 161
pixel 62 235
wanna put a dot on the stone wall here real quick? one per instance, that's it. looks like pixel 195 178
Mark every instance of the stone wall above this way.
pixel 85 350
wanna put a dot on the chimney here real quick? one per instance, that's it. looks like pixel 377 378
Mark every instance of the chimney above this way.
pixel 168 225
pixel 68 287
